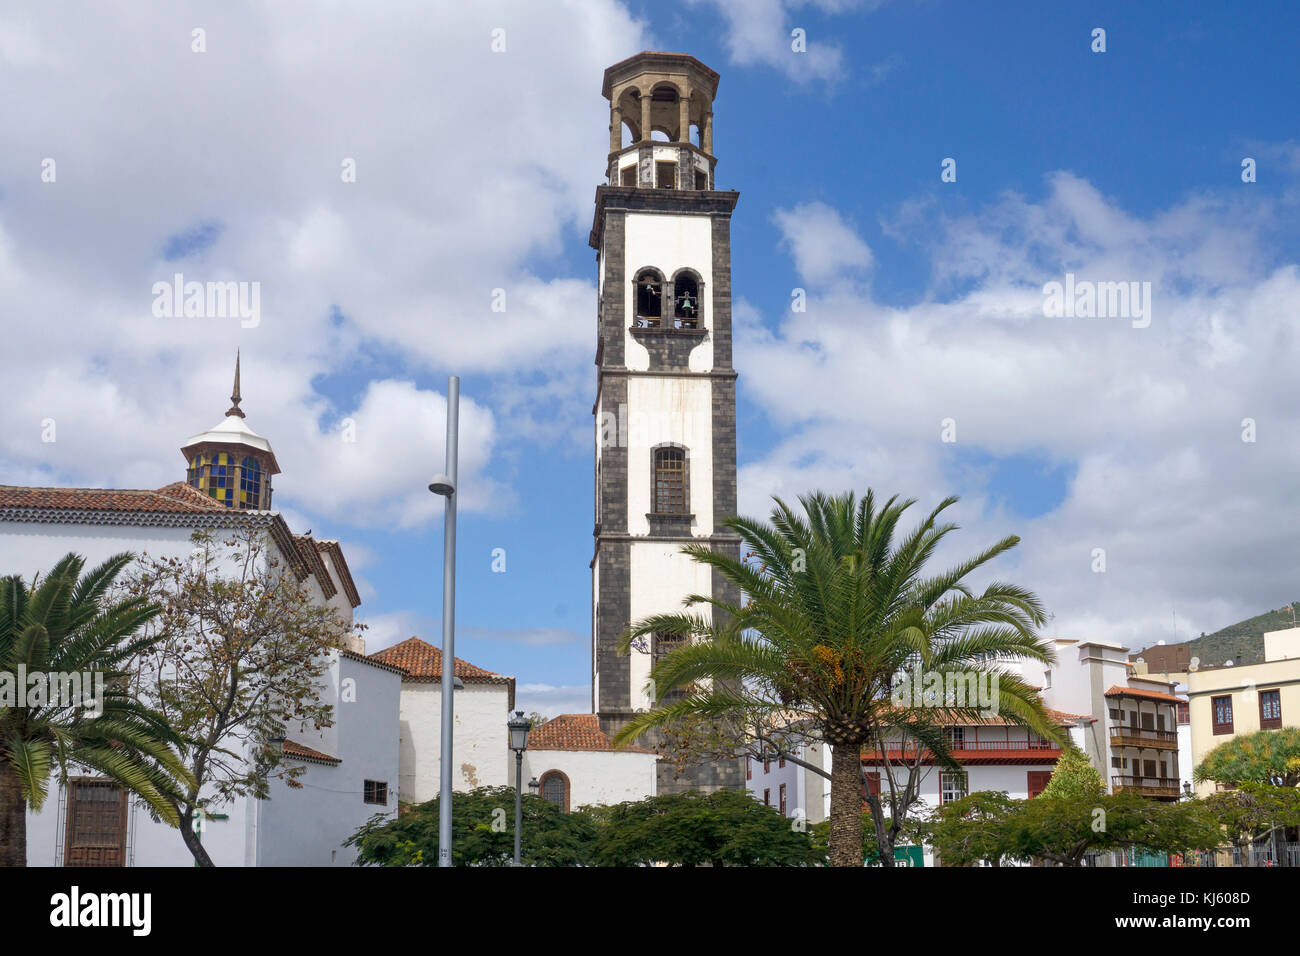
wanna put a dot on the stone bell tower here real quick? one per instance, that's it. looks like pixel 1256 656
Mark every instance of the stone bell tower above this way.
pixel 665 411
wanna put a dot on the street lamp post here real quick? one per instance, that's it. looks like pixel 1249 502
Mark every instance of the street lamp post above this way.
pixel 519 726
pixel 445 485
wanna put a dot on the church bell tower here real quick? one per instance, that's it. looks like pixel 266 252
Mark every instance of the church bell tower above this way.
pixel 666 390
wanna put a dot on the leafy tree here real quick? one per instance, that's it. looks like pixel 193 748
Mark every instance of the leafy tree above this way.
pixel 238 653
pixel 1267 756
pixel 1256 812
pixel 66 623
pixel 836 607
pixel 724 828
pixel 1074 776
pixel 483 833
pixel 971 830
pixel 1064 829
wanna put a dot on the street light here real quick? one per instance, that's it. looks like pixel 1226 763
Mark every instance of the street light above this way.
pixel 445 486
pixel 519 725
pixel 533 787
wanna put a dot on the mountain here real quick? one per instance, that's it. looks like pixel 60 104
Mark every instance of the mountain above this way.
pixel 1243 642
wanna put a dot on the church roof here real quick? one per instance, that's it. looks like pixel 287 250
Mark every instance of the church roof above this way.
pixel 575 732
pixel 423 662
pixel 176 498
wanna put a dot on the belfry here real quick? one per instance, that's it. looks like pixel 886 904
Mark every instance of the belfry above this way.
pixel 666 389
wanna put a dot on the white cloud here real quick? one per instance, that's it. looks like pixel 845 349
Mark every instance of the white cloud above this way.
pixel 550 700
pixel 1148 421
pixel 463 187
pixel 822 244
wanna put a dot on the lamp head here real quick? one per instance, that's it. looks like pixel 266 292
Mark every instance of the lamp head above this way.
pixel 442 485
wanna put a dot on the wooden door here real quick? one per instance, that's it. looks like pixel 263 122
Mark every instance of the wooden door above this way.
pixel 96 826
pixel 1037 782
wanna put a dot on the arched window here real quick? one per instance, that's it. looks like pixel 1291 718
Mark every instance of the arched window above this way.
pixel 686 301
pixel 250 484
pixel 665 644
pixel 555 788
pixel 649 299
pixel 670 480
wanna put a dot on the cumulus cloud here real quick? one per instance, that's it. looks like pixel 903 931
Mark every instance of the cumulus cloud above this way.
pixel 232 164
pixel 822 244
pixel 1146 422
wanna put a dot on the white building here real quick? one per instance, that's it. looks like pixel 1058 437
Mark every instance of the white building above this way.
pixel 349 766
pixel 481 750
pixel 575 765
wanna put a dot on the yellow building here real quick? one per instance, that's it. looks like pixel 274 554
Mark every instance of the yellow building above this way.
pixel 1228 701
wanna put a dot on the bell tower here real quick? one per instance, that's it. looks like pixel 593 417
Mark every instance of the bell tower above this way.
pixel 666 390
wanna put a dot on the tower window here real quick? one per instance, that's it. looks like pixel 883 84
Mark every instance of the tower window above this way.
pixel 701 179
pixel 686 301
pixel 628 175
pixel 250 484
pixel 665 644
pixel 649 299
pixel 666 175
pixel 670 480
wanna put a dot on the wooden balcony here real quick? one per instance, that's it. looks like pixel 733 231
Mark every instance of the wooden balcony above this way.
pixel 972 751
pixel 1126 735
pixel 1147 786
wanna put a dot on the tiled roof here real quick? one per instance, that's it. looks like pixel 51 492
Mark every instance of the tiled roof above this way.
pixel 176 498
pixel 292 749
pixel 575 732
pixel 423 662
pixel 342 572
pixel 1118 691
pixel 311 557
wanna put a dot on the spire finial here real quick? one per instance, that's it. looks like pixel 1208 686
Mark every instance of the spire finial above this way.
pixel 234 395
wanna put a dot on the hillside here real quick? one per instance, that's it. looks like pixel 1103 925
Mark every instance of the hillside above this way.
pixel 1243 642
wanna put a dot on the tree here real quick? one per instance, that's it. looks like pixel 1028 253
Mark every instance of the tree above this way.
pixel 971 830
pixel 1074 776
pixel 65 624
pixel 1266 756
pixel 835 609
pixel 1063 830
pixel 483 834
pixel 239 653
pixel 724 828
pixel 1256 811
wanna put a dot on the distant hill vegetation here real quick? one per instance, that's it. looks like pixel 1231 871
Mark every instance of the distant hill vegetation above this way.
pixel 1243 642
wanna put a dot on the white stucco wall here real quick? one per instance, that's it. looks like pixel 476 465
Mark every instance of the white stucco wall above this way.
pixel 669 410
pixel 481 750
pixel 668 243
pixel 596 777
pixel 664 577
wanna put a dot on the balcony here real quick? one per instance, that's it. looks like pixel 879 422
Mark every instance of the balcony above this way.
pixel 980 751
pixel 1147 786
pixel 1126 735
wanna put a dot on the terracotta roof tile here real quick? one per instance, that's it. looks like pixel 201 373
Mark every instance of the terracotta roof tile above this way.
pixel 422 661
pixel 335 552
pixel 1118 691
pixel 575 732
pixel 176 498
pixel 292 749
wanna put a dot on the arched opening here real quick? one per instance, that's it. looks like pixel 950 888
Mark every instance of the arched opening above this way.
pixel 686 301
pixel 649 298
pixel 670 480
pixel 555 788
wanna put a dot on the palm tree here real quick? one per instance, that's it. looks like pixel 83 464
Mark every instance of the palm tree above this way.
pixel 836 608
pixel 64 624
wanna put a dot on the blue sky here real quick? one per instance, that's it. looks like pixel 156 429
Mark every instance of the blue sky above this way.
pixel 477 172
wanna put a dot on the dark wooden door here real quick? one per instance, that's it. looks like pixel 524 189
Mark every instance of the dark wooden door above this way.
pixel 1037 782
pixel 96 828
